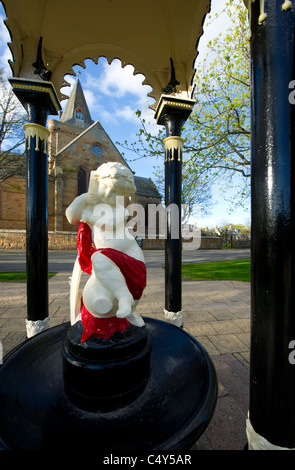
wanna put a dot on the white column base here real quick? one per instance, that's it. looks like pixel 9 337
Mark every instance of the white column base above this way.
pixel 35 327
pixel 173 317
pixel 257 442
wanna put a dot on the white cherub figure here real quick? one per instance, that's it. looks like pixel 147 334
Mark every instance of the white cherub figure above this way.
pixel 108 252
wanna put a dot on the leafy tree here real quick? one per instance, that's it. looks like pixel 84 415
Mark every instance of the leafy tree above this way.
pixel 196 193
pixel 217 134
pixel 12 118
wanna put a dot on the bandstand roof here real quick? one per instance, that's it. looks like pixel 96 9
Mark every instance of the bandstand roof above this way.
pixel 144 33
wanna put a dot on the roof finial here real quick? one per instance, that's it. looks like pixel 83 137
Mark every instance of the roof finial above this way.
pixel 171 87
pixel 39 64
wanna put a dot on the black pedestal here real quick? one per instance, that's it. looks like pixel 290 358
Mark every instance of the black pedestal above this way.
pixel 105 374
pixel 173 390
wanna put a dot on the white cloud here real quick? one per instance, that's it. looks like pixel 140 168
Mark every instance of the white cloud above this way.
pixel 106 116
pixel 115 116
pixel 117 82
pixel 90 98
pixel 126 112
pixel 113 93
pixel 5 53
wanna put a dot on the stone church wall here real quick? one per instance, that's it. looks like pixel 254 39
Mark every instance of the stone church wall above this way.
pixel 71 148
pixel 75 148
pixel 13 203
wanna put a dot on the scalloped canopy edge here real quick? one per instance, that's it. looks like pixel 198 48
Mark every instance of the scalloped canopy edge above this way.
pixel 146 35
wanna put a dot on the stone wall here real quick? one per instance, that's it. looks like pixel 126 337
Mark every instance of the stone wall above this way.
pixel 13 203
pixel 153 244
pixel 210 243
pixel 16 240
pixel 240 243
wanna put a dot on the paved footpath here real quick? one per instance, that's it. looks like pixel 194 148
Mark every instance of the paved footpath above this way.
pixel 216 313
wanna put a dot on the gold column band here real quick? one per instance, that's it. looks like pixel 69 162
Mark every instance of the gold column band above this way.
pixel 35 130
pixel 173 143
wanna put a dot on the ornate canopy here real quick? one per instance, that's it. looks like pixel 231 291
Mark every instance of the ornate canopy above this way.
pixel 158 37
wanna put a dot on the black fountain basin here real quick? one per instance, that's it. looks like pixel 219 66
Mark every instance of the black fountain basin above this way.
pixel 154 388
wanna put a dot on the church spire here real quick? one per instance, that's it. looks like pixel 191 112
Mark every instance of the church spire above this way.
pixel 76 111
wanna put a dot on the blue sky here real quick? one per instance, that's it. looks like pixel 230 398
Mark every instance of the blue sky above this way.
pixel 114 94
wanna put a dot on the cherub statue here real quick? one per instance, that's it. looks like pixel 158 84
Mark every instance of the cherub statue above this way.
pixel 108 252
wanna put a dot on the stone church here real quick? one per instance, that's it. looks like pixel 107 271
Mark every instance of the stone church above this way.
pixel 77 145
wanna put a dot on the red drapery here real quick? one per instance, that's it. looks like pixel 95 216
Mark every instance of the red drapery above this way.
pixel 133 270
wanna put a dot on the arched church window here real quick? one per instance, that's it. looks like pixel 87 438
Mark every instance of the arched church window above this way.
pixel 80 115
pixel 82 177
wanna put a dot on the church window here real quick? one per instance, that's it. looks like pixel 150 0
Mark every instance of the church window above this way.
pixel 97 150
pixel 80 115
pixel 81 181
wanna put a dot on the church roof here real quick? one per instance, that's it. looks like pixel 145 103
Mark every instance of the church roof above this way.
pixel 146 187
pixel 77 104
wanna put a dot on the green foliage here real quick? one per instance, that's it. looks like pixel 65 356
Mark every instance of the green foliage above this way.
pixel 217 134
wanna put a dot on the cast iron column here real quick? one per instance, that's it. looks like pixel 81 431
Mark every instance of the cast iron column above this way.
pixel 271 422
pixel 39 99
pixel 172 112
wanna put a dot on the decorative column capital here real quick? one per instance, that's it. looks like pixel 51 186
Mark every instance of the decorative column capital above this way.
pixel 24 88
pixel 172 112
pixel 38 98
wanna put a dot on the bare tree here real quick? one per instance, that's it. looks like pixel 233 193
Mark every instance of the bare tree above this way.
pixel 12 138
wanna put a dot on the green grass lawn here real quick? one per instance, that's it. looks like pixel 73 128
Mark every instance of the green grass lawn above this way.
pixel 234 270
pixel 16 277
